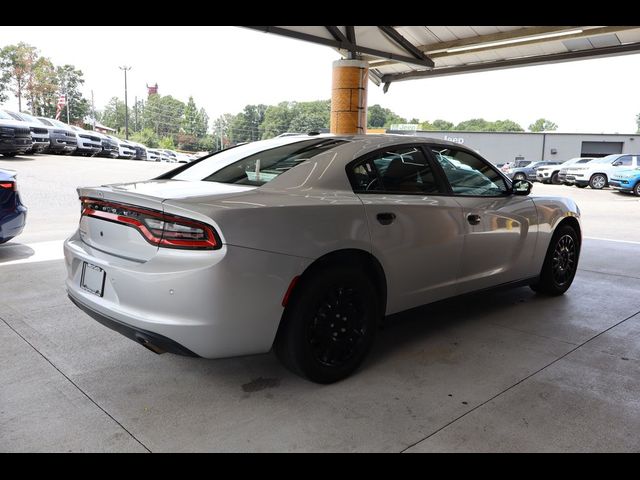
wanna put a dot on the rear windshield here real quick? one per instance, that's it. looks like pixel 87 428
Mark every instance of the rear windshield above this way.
pixel 256 163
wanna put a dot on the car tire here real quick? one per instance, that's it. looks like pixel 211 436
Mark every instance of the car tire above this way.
pixel 636 190
pixel 598 181
pixel 313 343
pixel 555 180
pixel 519 176
pixel 581 186
pixel 560 263
pixel 10 154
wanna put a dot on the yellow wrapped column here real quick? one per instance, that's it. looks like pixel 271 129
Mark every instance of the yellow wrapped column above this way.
pixel 349 97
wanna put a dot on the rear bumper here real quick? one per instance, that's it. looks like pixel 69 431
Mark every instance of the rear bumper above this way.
pixel 213 304
pixel 143 337
pixel 12 224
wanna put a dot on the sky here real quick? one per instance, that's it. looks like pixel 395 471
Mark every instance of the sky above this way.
pixel 226 68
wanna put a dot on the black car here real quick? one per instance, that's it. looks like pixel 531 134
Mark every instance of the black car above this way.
pixel 61 140
pixel 39 133
pixel 15 138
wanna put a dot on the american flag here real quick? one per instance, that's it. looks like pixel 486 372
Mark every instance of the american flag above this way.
pixel 62 101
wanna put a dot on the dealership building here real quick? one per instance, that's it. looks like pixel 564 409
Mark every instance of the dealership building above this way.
pixel 502 147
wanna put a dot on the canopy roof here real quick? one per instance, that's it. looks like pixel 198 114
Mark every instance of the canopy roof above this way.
pixel 408 52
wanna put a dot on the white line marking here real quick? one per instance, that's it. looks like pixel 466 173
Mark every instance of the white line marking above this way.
pixel 611 240
pixel 17 253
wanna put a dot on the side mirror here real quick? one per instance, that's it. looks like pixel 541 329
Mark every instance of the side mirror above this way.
pixel 522 187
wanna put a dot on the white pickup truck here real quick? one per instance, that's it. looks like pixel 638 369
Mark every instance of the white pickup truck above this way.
pixel 596 173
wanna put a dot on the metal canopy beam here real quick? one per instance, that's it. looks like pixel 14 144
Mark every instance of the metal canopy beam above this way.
pixel 344 45
pixel 404 43
pixel 516 62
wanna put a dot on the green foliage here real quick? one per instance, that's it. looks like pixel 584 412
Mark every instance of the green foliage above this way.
pixel 222 130
pixel 442 125
pixel 379 117
pixel 42 88
pixel 190 121
pixel 113 114
pixel 300 117
pixel 245 126
pixel 146 137
pixel 482 125
pixel 543 125
pixel 166 143
pixel 16 64
pixel 70 81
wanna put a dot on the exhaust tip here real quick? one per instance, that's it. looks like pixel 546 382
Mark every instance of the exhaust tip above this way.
pixel 148 345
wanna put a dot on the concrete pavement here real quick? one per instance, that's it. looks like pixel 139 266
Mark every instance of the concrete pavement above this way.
pixel 508 371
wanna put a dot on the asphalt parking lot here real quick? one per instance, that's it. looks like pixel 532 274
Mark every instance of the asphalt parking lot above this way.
pixel 508 371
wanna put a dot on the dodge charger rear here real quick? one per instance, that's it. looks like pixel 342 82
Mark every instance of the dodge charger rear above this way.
pixel 305 243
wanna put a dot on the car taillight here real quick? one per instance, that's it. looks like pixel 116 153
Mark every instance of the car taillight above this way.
pixel 156 227
pixel 9 186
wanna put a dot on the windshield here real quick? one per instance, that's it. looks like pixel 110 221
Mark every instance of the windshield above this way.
pixel 5 116
pixel 257 163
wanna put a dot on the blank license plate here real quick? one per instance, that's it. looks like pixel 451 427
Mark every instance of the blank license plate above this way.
pixel 92 279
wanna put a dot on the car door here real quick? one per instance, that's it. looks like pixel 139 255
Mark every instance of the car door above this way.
pixel 416 230
pixel 500 228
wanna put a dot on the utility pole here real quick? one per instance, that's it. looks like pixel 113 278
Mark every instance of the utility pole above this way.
pixel 68 102
pixel 126 106
pixel 93 108
pixel 135 106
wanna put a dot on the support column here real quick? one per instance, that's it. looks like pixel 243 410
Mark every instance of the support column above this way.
pixel 349 97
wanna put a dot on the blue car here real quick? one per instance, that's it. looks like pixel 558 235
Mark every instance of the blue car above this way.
pixel 626 181
pixel 13 214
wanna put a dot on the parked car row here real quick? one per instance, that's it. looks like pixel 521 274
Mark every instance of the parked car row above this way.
pixel 21 133
pixel 619 171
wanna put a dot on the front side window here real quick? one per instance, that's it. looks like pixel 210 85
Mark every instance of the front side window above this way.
pixel 468 175
pixel 399 170
pixel 624 161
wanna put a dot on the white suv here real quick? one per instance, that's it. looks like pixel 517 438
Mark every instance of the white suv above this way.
pixel 596 173
pixel 554 173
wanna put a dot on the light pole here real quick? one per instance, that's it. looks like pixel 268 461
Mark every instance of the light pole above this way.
pixel 126 106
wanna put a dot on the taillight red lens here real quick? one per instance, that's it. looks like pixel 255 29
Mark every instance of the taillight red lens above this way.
pixel 8 186
pixel 156 227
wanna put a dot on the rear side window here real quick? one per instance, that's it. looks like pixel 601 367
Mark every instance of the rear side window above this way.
pixel 400 170
pixel 260 167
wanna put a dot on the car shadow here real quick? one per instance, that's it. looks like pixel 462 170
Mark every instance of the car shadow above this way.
pixel 404 328
pixel 17 159
pixel 14 251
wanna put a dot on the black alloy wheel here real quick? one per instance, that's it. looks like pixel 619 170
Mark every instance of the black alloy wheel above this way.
pixel 330 323
pixel 561 262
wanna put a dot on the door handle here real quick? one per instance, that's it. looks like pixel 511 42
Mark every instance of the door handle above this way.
pixel 386 218
pixel 473 219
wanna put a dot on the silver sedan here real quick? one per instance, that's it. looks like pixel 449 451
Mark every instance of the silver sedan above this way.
pixel 304 243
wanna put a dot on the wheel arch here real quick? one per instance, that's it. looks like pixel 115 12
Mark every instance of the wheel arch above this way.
pixel 348 256
pixel 572 222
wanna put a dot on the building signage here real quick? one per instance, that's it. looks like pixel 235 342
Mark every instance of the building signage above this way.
pixel 459 140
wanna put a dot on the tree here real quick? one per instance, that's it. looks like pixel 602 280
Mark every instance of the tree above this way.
pixel 543 125
pixel 163 114
pixel 442 125
pixel 277 119
pixel 42 88
pixel 166 143
pixel 505 126
pixel 202 124
pixel 221 130
pixel 70 81
pixel 146 137
pixel 245 126
pixel 16 63
pixel 190 118
pixel 113 114
pixel 473 125
pixel 379 117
